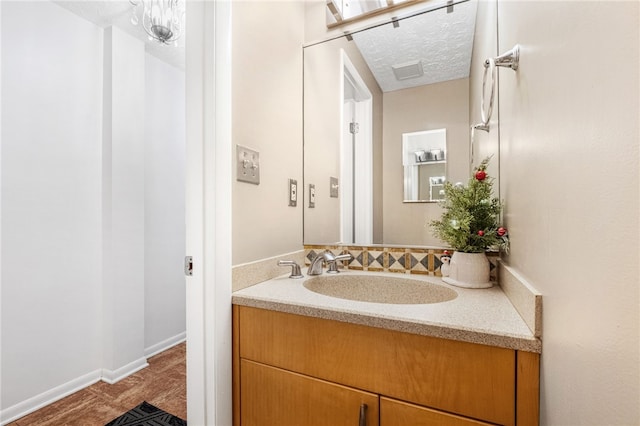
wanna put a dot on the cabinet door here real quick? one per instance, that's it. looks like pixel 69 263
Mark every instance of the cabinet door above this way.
pixel 274 397
pixel 397 413
pixel 471 380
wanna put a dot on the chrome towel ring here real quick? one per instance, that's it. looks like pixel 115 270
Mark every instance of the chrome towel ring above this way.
pixel 489 70
pixel 508 59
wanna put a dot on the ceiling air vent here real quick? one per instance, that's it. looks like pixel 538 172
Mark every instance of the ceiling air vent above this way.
pixel 408 70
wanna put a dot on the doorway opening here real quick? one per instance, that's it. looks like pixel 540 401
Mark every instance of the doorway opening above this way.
pixel 93 169
pixel 356 159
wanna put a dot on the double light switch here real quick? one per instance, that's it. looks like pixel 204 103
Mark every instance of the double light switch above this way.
pixel 248 165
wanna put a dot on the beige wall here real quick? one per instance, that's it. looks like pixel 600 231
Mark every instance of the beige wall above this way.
pixel 569 138
pixel 322 99
pixel 434 106
pixel 267 103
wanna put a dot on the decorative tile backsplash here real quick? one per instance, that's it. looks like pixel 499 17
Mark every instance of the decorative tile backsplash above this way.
pixel 402 260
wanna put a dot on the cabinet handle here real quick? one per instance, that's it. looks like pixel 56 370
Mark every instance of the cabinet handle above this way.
pixel 363 415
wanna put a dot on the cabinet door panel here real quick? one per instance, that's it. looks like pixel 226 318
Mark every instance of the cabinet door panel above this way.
pixel 528 403
pixel 397 413
pixel 472 380
pixel 275 397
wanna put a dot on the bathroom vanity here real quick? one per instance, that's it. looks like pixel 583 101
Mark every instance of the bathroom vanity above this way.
pixel 306 359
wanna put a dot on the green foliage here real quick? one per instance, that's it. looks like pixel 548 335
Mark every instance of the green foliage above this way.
pixel 470 221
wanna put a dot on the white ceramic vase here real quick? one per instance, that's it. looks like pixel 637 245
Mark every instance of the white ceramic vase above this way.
pixel 469 270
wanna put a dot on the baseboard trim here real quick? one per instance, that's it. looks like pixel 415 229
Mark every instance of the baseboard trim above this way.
pixel 165 344
pixel 114 376
pixel 30 405
pixel 37 402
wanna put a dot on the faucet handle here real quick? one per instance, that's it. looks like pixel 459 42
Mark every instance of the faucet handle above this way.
pixel 333 264
pixel 295 268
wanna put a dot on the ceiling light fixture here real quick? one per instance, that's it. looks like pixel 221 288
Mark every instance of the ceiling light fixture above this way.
pixel 163 20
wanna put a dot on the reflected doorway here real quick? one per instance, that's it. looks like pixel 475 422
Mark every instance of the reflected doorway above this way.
pixel 356 158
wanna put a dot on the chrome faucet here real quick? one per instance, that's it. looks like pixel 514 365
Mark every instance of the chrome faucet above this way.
pixel 315 268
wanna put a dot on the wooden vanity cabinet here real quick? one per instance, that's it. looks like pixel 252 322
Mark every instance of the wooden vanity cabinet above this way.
pixel 272 396
pixel 398 413
pixel 293 370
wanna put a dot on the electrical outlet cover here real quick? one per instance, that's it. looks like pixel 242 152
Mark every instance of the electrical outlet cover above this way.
pixel 312 196
pixel 333 187
pixel 293 192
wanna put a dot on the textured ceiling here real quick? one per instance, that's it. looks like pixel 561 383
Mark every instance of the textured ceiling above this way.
pixel 105 13
pixel 442 41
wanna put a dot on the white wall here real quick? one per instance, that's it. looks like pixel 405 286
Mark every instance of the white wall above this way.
pixel 51 207
pixel 569 135
pixel 164 200
pixel 80 192
pixel 123 201
pixel 0 207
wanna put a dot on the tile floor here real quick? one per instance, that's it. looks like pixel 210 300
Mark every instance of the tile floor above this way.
pixel 162 384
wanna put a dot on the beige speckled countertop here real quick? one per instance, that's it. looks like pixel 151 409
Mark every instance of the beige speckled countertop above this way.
pixel 484 316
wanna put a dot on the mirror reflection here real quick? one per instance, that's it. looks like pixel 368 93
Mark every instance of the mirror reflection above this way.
pixel 344 11
pixel 366 98
pixel 424 160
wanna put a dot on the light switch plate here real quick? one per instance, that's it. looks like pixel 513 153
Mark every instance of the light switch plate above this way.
pixel 293 192
pixel 333 187
pixel 312 196
pixel 248 165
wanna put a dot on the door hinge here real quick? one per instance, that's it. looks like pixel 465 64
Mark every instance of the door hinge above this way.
pixel 354 128
pixel 188 266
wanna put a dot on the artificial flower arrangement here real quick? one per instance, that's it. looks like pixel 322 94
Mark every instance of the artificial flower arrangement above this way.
pixel 470 223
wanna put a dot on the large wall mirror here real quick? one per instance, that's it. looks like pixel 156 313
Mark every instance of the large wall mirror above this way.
pixel 387 118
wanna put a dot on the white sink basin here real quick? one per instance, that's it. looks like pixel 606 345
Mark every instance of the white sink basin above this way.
pixel 379 289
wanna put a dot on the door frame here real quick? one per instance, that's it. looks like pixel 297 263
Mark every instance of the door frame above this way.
pixel 208 212
pixel 364 153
